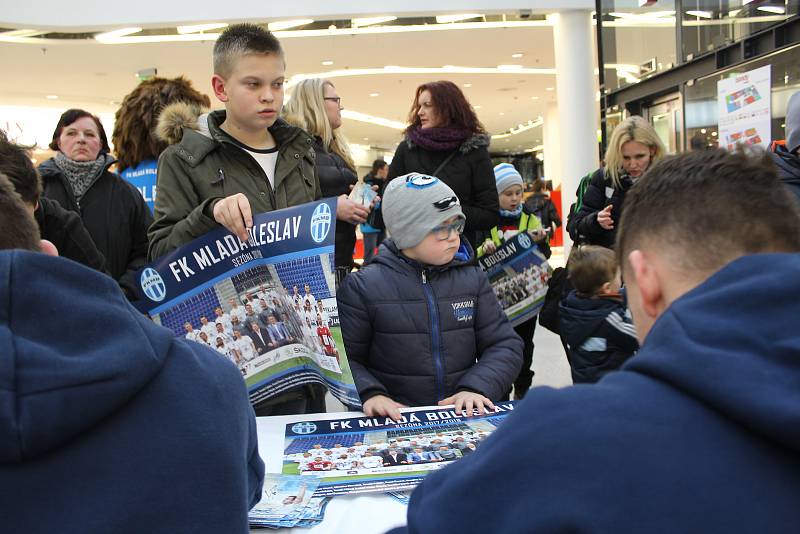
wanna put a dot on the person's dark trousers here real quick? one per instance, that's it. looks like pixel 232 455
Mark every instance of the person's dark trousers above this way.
pixel 525 377
pixel 372 240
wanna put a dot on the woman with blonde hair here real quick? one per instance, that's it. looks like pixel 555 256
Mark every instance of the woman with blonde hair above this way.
pixel 316 107
pixel 634 146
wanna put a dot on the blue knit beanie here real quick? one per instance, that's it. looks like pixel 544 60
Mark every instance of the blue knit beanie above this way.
pixel 505 175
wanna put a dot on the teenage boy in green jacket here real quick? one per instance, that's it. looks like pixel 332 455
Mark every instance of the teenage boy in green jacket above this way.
pixel 227 165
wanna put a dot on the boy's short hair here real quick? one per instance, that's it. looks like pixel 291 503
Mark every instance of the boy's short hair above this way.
pixel 710 207
pixel 589 267
pixel 239 40
pixel 16 164
pixel 19 227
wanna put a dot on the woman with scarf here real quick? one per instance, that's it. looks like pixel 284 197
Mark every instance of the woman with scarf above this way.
pixel 112 210
pixel 445 139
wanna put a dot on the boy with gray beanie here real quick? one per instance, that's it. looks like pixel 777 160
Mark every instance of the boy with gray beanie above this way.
pixel 421 323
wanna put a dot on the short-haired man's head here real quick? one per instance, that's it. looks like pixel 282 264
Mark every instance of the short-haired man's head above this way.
pixel 590 267
pixel 707 208
pixel 19 229
pixel 16 164
pixel 241 40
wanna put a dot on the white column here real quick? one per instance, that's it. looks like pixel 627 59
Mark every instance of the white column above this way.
pixel 552 145
pixel 577 108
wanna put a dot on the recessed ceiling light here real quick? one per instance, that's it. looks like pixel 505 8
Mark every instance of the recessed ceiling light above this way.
pixel 52 97
pixel 772 9
pixel 444 19
pixel 107 36
pixel 467 85
pixel 374 94
pixel 548 88
pixel 476 107
pixel 502 113
pixel 366 139
pixel 287 24
pixel 369 21
pixel 534 98
pixel 201 27
pixel 327 62
pixel 517 55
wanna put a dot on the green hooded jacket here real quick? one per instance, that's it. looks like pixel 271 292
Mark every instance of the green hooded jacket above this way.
pixel 202 165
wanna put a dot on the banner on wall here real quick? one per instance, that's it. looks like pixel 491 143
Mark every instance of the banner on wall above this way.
pixel 267 304
pixel 518 272
pixel 744 109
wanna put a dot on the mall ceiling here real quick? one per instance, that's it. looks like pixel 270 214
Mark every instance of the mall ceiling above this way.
pixel 507 73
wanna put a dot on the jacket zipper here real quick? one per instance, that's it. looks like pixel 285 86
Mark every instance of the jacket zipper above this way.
pixel 433 313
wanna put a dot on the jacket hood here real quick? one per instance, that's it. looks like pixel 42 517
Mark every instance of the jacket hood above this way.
pixel 72 352
pixel 732 345
pixel 581 317
pixel 788 163
pixel 174 118
pixel 389 255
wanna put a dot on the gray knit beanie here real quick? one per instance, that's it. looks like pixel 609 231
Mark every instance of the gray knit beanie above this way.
pixel 415 204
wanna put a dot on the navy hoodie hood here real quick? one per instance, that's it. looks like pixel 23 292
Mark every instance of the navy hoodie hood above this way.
pixel 699 432
pixel 59 379
pixel 108 423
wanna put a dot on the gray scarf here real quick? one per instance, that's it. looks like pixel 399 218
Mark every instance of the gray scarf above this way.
pixel 81 175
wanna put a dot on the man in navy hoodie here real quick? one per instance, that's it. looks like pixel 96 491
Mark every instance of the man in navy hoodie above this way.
pixel 700 431
pixel 107 422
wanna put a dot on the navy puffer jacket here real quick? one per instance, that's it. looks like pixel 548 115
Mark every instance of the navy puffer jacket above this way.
pixel 419 334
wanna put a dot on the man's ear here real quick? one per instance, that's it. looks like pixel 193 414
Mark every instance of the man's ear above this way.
pixel 48 248
pixel 218 83
pixel 648 282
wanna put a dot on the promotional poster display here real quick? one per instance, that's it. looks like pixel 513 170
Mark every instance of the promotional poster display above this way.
pixel 518 273
pixel 143 178
pixel 375 454
pixel 288 501
pixel 744 109
pixel 267 304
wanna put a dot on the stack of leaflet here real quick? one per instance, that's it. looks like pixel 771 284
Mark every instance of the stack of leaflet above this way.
pixel 288 501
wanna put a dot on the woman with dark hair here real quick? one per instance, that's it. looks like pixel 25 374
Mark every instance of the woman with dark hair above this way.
pixel 112 210
pixel 445 139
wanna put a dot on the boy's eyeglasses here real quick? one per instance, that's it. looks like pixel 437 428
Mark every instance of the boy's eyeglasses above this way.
pixel 442 232
pixel 337 99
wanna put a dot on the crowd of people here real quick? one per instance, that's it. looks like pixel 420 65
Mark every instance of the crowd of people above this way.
pixel 696 367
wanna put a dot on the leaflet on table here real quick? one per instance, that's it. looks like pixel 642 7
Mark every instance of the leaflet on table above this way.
pixel 267 304
pixel 288 501
pixel 376 454
pixel 518 272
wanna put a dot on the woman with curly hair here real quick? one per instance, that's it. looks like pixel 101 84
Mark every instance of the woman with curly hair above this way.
pixel 135 143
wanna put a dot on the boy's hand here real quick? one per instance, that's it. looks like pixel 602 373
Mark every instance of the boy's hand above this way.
pixel 604 218
pixel 350 211
pixel 467 400
pixel 234 213
pixel 538 235
pixel 383 406
pixel 489 247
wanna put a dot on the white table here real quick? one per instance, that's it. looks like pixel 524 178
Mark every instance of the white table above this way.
pixel 363 513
